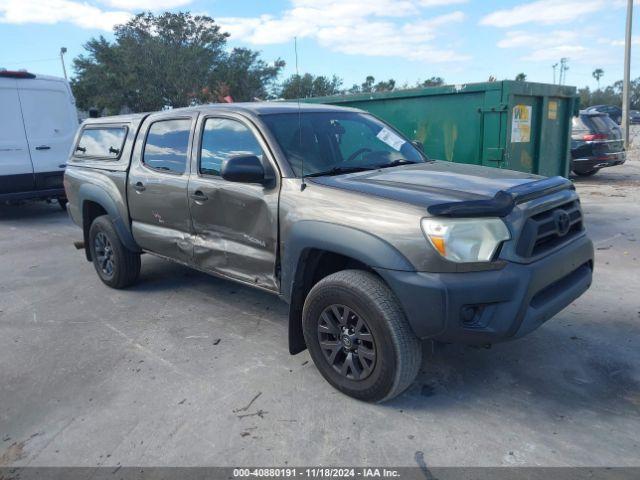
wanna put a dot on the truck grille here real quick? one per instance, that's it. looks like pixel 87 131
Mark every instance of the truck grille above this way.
pixel 546 230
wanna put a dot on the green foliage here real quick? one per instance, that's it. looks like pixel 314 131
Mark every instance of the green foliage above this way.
pixel 432 82
pixel 169 60
pixel 369 85
pixel 598 73
pixel 383 86
pixel 611 95
pixel 307 86
pixel 244 76
pixel 521 77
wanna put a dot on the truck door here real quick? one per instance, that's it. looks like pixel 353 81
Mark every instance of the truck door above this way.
pixel 157 186
pixel 50 121
pixel 236 224
pixel 16 171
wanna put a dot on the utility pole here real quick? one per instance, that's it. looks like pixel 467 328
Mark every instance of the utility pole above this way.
pixel 554 66
pixel 563 69
pixel 627 73
pixel 63 50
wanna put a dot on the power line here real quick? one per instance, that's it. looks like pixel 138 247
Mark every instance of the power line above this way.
pixel 30 61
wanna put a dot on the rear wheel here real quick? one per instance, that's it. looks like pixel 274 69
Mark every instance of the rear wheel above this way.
pixel 117 266
pixel 358 336
pixel 586 173
pixel 63 203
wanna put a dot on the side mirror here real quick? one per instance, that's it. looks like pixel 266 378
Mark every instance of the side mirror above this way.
pixel 418 145
pixel 243 169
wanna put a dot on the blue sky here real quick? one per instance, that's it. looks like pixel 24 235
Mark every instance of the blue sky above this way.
pixel 459 40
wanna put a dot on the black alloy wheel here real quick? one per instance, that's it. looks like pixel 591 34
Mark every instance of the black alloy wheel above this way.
pixel 346 342
pixel 104 254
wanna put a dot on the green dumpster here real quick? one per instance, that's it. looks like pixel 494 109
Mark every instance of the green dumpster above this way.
pixel 509 124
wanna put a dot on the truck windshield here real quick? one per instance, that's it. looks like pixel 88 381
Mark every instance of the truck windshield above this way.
pixel 339 142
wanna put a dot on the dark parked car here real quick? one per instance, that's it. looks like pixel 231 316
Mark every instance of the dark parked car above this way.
pixel 634 117
pixel 614 112
pixel 596 142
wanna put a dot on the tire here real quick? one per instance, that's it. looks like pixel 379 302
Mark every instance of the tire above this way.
pixel 586 173
pixel 333 310
pixel 117 266
pixel 63 203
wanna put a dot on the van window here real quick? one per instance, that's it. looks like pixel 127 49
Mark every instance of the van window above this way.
pixel 223 138
pixel 105 143
pixel 167 145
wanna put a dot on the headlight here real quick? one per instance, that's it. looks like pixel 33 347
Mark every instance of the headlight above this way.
pixel 465 239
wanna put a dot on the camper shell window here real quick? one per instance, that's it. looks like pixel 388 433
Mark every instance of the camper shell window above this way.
pixel 104 143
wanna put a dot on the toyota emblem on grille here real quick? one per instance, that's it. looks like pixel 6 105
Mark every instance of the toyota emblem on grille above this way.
pixel 562 221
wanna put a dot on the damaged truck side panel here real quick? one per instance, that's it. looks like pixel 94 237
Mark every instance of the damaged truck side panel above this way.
pixel 375 249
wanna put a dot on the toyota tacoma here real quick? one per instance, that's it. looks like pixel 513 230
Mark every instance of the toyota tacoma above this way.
pixel 374 246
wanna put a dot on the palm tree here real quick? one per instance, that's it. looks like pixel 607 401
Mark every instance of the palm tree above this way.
pixel 598 73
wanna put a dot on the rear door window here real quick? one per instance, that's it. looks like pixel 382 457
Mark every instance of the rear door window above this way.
pixel 102 143
pixel 167 145
pixel 601 123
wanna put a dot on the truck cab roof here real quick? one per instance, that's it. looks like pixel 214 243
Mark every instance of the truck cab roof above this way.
pixel 248 108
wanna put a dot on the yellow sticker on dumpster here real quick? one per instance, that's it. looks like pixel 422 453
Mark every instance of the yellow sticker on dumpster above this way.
pixel 553 110
pixel 521 124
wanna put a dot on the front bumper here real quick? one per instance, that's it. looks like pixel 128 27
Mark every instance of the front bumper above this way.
pixel 493 306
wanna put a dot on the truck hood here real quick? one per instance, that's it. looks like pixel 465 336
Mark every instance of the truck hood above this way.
pixel 438 182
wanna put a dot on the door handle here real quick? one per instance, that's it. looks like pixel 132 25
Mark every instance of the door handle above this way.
pixel 198 196
pixel 139 187
pixel 43 147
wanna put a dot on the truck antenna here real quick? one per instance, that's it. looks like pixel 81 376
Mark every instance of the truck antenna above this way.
pixel 303 185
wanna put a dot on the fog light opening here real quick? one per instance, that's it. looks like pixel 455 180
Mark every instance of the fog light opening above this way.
pixel 468 314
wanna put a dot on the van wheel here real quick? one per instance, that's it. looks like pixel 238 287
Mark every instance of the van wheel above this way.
pixel 117 266
pixel 358 336
pixel 63 203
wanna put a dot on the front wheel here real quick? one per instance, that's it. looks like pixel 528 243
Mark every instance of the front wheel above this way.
pixel 358 336
pixel 116 265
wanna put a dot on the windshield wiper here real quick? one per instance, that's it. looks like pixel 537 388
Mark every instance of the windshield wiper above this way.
pixel 340 171
pixel 396 163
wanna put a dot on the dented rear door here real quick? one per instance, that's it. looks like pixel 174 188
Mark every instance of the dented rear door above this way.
pixel 157 185
pixel 235 224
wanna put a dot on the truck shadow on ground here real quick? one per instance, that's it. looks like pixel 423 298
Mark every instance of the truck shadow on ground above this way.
pixel 552 369
pixel 549 371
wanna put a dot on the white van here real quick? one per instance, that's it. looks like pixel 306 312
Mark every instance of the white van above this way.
pixel 38 120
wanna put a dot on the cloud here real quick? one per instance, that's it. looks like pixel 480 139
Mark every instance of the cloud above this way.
pixel 545 12
pixel 54 11
pixel 385 28
pixel 635 40
pixel 146 4
pixel 439 3
pixel 544 46
pixel 523 39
